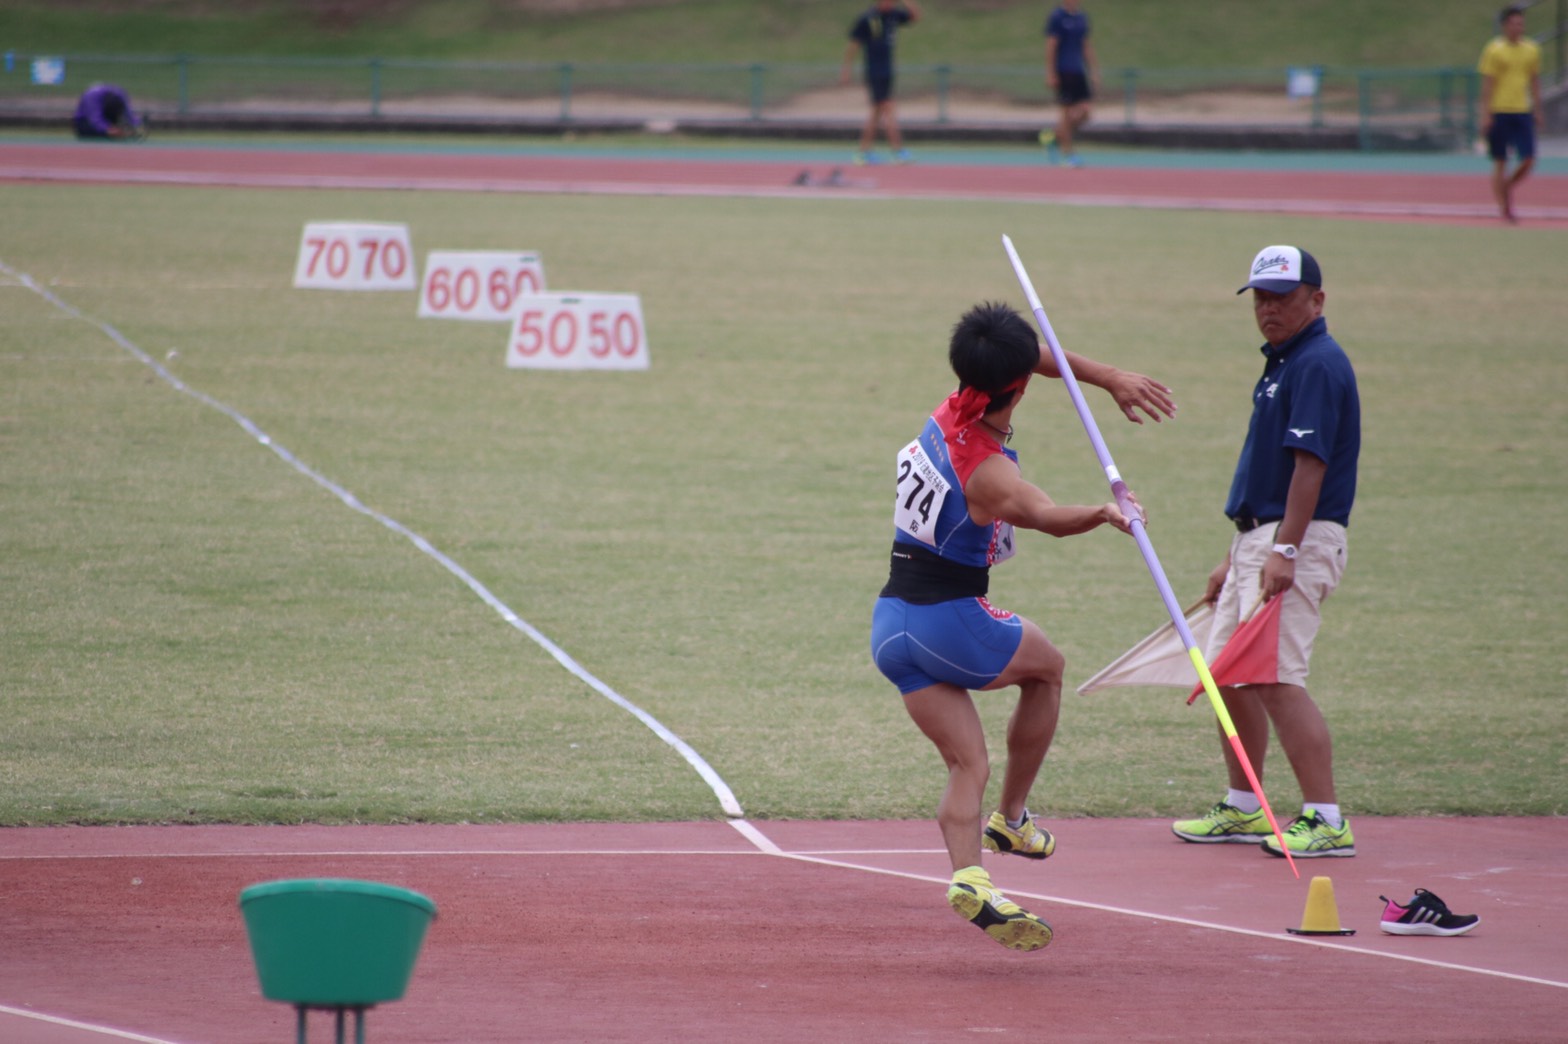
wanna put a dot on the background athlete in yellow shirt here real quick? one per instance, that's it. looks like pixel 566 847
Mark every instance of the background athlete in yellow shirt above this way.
pixel 1510 69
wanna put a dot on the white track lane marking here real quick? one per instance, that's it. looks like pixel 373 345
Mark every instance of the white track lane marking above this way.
pixel 1189 922
pixel 721 790
pixel 107 1031
pixel 766 847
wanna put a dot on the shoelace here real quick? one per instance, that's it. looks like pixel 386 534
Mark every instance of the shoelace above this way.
pixel 1304 825
pixel 1430 901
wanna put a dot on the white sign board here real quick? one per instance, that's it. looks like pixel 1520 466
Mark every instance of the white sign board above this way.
pixel 354 255
pixel 478 284
pixel 47 72
pixel 578 331
pixel 1302 81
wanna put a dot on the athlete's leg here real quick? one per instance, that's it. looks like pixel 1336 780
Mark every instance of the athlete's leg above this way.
pixel 947 715
pixel 1036 668
pixel 895 138
pixel 1500 187
pixel 868 131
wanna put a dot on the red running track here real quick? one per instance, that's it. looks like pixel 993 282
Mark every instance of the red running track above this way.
pixel 799 931
pixel 1461 198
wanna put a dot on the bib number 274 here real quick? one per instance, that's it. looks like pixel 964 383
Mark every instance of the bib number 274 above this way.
pixel 921 492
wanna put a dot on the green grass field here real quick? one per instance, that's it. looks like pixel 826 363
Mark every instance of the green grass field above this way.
pixel 1145 33
pixel 192 631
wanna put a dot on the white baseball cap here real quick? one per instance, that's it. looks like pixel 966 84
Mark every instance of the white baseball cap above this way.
pixel 1280 269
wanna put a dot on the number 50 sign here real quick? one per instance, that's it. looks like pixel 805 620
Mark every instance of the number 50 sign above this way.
pixel 354 256
pixel 578 332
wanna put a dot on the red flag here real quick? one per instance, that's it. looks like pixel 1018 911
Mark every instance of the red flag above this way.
pixel 1251 655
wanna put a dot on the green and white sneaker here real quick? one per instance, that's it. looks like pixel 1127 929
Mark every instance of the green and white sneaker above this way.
pixel 1310 837
pixel 1225 823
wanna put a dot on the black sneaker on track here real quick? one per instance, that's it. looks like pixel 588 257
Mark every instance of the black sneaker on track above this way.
pixel 1425 914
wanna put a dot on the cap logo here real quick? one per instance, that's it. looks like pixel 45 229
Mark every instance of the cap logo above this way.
pixel 1279 262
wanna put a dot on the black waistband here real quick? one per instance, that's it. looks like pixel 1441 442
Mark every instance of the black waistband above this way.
pixel 1247 525
pixel 923 577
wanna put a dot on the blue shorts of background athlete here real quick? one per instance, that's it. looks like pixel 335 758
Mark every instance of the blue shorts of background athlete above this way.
pixel 1515 130
pixel 1072 88
pixel 965 642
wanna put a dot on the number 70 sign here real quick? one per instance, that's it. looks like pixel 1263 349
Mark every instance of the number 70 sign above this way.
pixel 341 255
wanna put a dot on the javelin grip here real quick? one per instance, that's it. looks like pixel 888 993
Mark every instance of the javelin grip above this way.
pixel 1152 560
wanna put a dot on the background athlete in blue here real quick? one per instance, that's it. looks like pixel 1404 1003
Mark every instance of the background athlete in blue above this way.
pixel 873 36
pixel 933 632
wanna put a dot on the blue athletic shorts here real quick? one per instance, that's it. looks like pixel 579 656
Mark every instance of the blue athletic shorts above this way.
pixel 880 86
pixel 966 642
pixel 1515 130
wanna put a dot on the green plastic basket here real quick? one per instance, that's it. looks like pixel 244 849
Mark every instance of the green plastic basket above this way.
pixel 331 942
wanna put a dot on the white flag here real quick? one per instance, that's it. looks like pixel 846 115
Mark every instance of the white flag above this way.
pixel 1160 659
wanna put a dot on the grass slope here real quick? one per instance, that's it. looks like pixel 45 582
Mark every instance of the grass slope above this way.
pixel 194 632
pixel 1153 34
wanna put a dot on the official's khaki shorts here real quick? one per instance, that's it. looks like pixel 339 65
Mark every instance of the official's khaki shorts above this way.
pixel 1319 565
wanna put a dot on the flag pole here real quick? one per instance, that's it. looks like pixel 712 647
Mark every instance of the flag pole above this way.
pixel 1124 501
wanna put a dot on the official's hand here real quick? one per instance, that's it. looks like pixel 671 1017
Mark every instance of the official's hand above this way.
pixel 1134 392
pixel 1211 593
pixel 1278 576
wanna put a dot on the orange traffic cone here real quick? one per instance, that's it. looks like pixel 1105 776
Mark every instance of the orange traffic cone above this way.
pixel 1321 917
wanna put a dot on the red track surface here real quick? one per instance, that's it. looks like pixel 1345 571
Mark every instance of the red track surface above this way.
pixel 1460 198
pixel 686 931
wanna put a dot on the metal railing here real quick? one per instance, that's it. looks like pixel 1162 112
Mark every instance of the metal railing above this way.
pixel 1425 100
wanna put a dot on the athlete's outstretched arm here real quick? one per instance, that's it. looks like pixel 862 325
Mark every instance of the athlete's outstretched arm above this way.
pixel 1132 391
pixel 998 490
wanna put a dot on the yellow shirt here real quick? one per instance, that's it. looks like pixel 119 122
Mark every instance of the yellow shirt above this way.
pixel 1512 67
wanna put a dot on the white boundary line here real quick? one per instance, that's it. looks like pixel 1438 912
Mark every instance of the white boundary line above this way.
pixel 107 1031
pixel 721 790
pixel 1210 925
pixel 765 846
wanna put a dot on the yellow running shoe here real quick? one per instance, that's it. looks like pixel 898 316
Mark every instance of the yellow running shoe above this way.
pixel 1225 823
pixel 1029 840
pixel 974 898
pixel 1310 837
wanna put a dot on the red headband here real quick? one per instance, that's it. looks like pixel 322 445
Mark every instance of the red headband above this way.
pixel 968 404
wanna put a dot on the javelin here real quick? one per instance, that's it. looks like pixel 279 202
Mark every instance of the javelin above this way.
pixel 1152 560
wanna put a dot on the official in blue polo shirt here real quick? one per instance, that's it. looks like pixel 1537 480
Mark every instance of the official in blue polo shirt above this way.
pixel 1290 499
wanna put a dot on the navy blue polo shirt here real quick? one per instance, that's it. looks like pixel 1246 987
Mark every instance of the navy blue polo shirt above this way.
pixel 1070 30
pixel 1306 400
pixel 875 31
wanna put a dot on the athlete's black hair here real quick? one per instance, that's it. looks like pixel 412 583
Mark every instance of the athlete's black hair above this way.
pixel 992 346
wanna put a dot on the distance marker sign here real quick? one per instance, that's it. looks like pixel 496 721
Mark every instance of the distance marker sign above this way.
pixel 578 331
pixel 478 284
pixel 344 255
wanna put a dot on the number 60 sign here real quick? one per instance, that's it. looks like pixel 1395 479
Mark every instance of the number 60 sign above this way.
pixel 354 256
pixel 478 284
pixel 570 331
